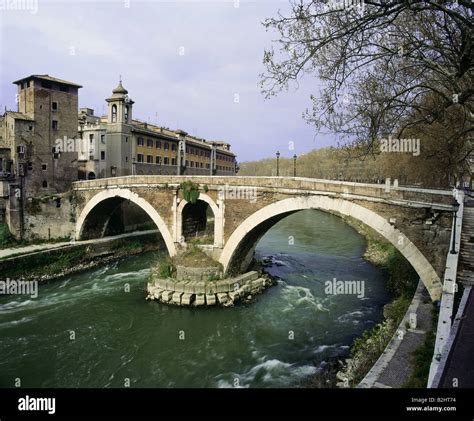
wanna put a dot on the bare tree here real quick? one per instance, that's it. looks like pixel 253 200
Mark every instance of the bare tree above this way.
pixel 384 66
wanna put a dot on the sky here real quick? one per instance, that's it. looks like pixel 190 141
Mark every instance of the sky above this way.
pixel 191 64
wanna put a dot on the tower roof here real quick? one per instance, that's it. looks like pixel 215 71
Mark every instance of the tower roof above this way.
pixel 119 93
pixel 120 89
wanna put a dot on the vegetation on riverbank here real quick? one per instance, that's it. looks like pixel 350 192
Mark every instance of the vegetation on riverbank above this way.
pixel 402 281
pixel 52 264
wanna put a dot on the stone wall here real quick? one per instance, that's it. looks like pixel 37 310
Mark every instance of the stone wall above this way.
pixel 186 273
pixel 44 219
pixel 226 292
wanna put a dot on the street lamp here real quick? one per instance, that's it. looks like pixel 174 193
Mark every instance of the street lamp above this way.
pixel 278 163
pixel 294 165
pixel 455 206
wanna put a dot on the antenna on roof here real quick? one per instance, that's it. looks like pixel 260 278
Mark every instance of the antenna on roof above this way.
pixel 120 78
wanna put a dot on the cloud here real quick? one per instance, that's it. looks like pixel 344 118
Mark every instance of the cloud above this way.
pixel 182 61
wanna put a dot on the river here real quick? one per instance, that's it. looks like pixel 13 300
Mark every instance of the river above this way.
pixel 95 329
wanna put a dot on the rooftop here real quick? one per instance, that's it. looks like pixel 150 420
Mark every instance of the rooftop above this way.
pixel 47 78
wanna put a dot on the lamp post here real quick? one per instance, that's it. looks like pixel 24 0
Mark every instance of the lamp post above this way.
pixel 455 206
pixel 278 162
pixel 294 165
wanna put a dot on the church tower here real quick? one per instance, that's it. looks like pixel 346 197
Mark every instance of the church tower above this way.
pixel 120 106
pixel 119 132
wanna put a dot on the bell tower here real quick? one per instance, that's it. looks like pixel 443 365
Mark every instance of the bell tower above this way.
pixel 120 106
pixel 119 149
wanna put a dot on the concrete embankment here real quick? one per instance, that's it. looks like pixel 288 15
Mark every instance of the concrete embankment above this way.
pixel 226 292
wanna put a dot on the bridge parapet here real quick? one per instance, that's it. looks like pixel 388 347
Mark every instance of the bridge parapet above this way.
pixel 440 198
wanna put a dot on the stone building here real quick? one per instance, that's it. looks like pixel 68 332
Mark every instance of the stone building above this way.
pixel 46 144
pixel 118 144
pixel 46 117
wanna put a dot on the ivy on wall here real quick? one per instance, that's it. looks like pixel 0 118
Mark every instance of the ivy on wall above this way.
pixel 190 191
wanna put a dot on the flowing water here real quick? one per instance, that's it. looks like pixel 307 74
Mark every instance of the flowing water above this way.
pixel 95 329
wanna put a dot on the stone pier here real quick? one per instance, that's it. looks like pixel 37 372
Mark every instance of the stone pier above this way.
pixel 225 293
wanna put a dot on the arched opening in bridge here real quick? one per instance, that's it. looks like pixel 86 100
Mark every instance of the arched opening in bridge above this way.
pixel 91 175
pixel 240 246
pixel 197 222
pixel 115 216
pixel 114 211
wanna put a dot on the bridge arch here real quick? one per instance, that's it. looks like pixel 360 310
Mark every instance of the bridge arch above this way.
pixel 135 198
pixel 218 228
pixel 239 247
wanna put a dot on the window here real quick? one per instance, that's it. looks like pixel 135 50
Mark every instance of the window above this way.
pixel 149 143
pixel 44 167
pixel 54 124
pixel 192 163
pixel 166 145
pixel 149 159
pixel 200 165
pixel 140 157
pixel 28 84
pixel 30 128
pixel 102 155
pixel 45 184
pixel 140 141
pixel 54 106
pixel 91 138
pixel 126 159
pixel 158 159
pixel 166 160
pixel 102 138
pixel 173 161
pixel 114 113
pixel 187 163
pixel 173 146
pixel 158 144
pixel 126 113
pixel 126 139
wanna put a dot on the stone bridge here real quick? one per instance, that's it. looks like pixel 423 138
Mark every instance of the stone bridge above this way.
pixel 242 209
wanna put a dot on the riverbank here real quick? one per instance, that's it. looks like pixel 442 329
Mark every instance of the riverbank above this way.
pixel 47 265
pixel 349 369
